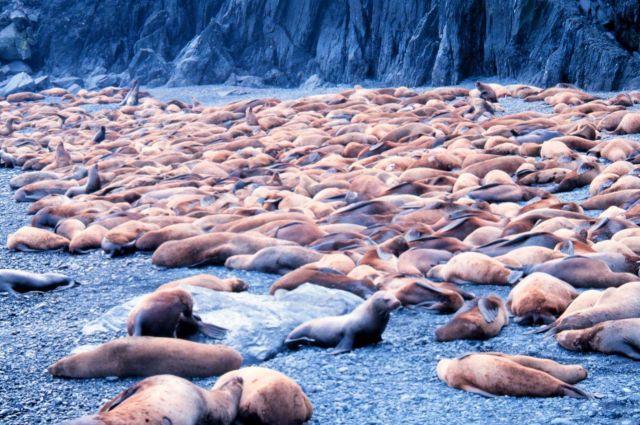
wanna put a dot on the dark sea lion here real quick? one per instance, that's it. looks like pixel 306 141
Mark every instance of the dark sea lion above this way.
pixel 491 374
pixel 168 313
pixel 539 299
pixel 481 318
pixel 147 356
pixel 363 326
pixel 610 337
pixel 19 281
pixel 166 399
pixel 269 397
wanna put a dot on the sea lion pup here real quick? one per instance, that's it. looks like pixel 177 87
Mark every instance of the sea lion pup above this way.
pixel 481 318
pixel 539 299
pixel 148 356
pixel 583 272
pixel 274 259
pixel 88 239
pixel 613 304
pixel 610 337
pixel 93 184
pixel 491 374
pixel 486 92
pixel 169 313
pixel 19 281
pixel 212 248
pixel 473 267
pixel 29 238
pixel 326 277
pixel 232 284
pixel 269 397
pixel 100 134
pixel 363 326
pixel 166 399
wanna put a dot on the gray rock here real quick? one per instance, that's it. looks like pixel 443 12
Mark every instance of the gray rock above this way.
pixel 257 324
pixel 67 82
pixel 313 82
pixel 101 80
pixel 18 83
pixel 149 67
pixel 14 44
pixel 14 67
pixel 42 83
pixel 244 81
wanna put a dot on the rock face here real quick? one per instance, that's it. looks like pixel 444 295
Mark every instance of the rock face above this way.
pixel 592 43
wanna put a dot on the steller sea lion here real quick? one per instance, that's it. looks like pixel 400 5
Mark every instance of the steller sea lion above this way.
pixel 269 397
pixel 611 337
pixel 19 281
pixel 326 277
pixel 583 272
pixel 481 318
pixel 29 238
pixel 147 356
pixel 166 399
pixel 491 374
pixel 363 326
pixel 539 299
pixel 168 313
pixel 473 267
pixel 232 284
pixel 274 259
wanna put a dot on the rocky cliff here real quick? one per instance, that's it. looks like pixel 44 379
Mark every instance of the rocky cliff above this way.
pixel 592 43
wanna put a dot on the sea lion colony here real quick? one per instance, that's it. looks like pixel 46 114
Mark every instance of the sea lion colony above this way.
pixel 366 190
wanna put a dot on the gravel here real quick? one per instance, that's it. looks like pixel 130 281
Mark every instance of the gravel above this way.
pixel 391 382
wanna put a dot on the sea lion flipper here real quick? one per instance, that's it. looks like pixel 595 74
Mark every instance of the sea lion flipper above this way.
pixel 432 288
pixel 571 391
pixel 211 330
pixel 634 352
pixel 472 389
pixel 488 309
pixel 294 343
pixel 344 346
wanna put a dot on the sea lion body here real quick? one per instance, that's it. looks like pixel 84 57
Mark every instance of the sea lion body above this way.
pixel 482 318
pixel 611 337
pixel 539 299
pixel 21 281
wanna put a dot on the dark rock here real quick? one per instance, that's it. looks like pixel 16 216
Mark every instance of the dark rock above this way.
pixel 101 80
pixel 42 83
pixel 244 81
pixel 313 82
pixel 589 42
pixel 67 82
pixel 18 83
pixel 14 67
pixel 14 44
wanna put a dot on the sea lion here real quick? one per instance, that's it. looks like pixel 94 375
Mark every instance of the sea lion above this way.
pixel 363 326
pixel 420 261
pixel 168 313
pixel 19 281
pixel 269 397
pixel 473 267
pixel 328 278
pixel 214 283
pixel 151 240
pixel 147 356
pixel 612 304
pixel 539 299
pixel 414 292
pixel 166 399
pixel 611 337
pixel 88 239
pixel 275 259
pixel 481 318
pixel 583 272
pixel 29 238
pixel 491 374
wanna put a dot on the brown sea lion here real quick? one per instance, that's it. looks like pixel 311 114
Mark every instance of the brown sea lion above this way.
pixel 611 337
pixel 481 318
pixel 473 267
pixel 363 326
pixel 29 238
pixel 275 259
pixel 19 281
pixel 122 238
pixel 414 292
pixel 88 239
pixel 214 283
pixel 147 356
pixel 491 374
pixel 166 399
pixel 328 278
pixel 269 397
pixel 539 299
pixel 151 240
pixel 168 313
pixel 583 272
pixel 420 261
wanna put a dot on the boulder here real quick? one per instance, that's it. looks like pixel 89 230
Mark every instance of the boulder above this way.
pixel 14 44
pixel 18 83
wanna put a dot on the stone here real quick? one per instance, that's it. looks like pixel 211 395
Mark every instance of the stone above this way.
pixel 14 67
pixel 14 44
pixel 18 83
pixel 149 67
pixel 67 82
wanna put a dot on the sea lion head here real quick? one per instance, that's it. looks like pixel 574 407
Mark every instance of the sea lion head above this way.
pixel 442 367
pixel 384 302
pixel 237 285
